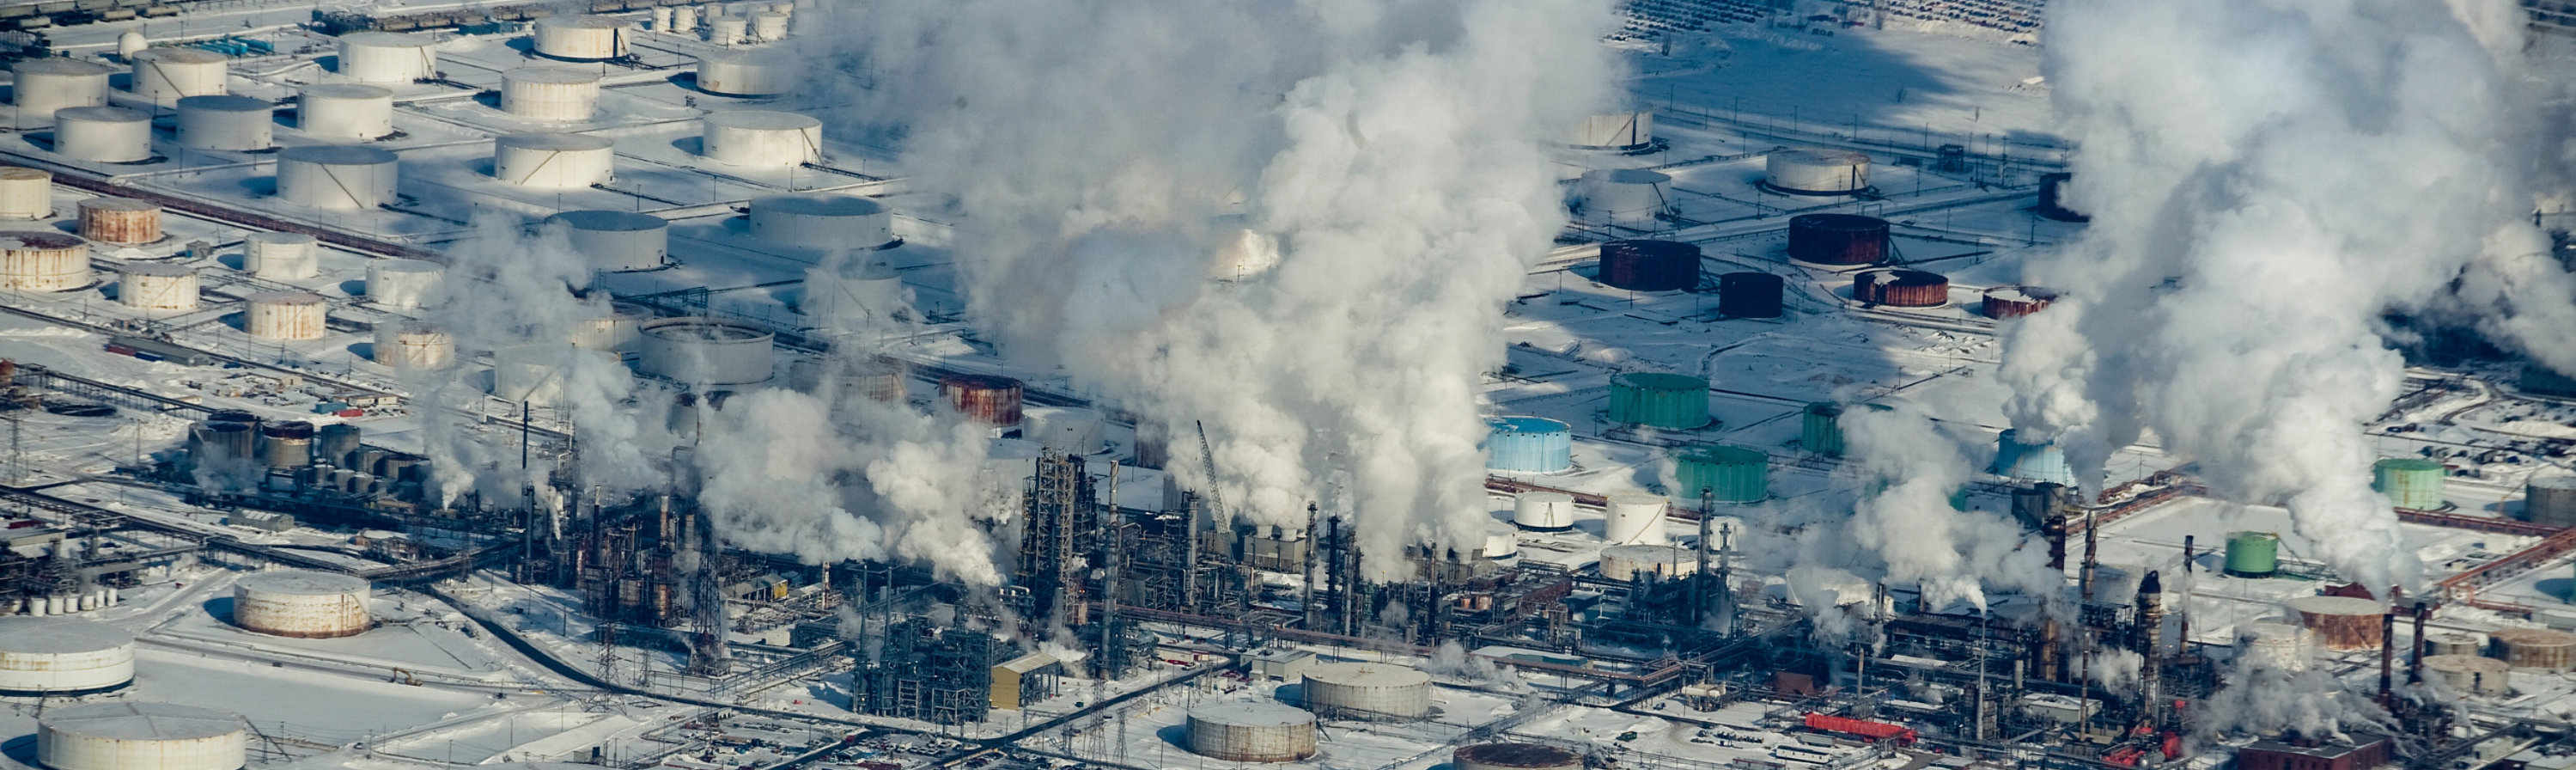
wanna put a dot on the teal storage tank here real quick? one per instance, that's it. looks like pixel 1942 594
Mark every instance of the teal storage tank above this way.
pixel 2253 554
pixel 1659 400
pixel 2030 462
pixel 1729 474
pixel 2411 483
pixel 1528 445
pixel 1823 429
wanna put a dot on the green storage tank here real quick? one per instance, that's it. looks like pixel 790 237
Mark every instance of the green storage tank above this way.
pixel 2411 483
pixel 1659 400
pixel 1730 474
pixel 1823 431
pixel 2253 554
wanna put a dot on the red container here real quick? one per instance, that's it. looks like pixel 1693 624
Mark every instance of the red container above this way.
pixel 1860 727
pixel 983 398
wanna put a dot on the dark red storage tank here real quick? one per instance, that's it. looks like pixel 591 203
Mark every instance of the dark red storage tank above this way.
pixel 1641 265
pixel 1898 287
pixel 1749 295
pixel 983 398
pixel 2016 301
pixel 1837 239
pixel 2052 198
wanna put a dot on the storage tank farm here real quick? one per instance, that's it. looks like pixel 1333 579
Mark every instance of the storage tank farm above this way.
pixel 701 351
pixel 1820 428
pixel 762 138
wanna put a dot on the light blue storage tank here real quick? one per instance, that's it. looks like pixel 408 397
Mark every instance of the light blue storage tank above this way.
pixel 1529 445
pixel 2030 462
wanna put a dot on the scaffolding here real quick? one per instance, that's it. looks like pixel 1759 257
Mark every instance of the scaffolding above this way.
pixel 927 672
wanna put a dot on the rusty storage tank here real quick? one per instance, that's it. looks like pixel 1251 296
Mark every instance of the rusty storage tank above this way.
pixel 285 315
pixel 1515 756
pixel 2341 623
pixel 2550 500
pixel 1837 239
pixel 286 444
pixel 1749 294
pixel 301 604
pixel 2537 649
pixel 1252 731
pixel 123 221
pixel 1900 287
pixel 2003 302
pixel 1370 691
pixel 42 261
pixel 2454 644
pixel 2052 198
pixel 983 398
pixel 1643 265
pixel 846 382
pixel 2470 674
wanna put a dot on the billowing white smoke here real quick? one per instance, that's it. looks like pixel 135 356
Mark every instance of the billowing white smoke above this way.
pixel 1392 146
pixel 1904 532
pixel 2266 177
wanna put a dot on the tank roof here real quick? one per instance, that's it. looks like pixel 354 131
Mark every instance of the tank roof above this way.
pixel 336 155
pixel 1821 156
pixel 598 219
pixel 181 55
pixel 118 204
pixel 29 239
pixel 1253 714
pixel 553 140
pixel 2554 482
pixel 583 21
pixel 56 635
pixel 1726 455
pixel 819 204
pixel 347 91
pixel 762 119
pixel 60 65
pixel 102 115
pixel 303 582
pixel 388 40
pixel 550 75
pixel 2409 464
pixel 1528 425
pixel 156 269
pixel 1661 381
pixel 143 720
pixel 1367 675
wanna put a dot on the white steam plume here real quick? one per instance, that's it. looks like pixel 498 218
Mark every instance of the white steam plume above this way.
pixel 1904 532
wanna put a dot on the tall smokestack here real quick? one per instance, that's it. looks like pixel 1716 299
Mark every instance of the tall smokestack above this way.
pixel 2415 665
pixel 2092 548
pixel 2054 529
pixel 2387 655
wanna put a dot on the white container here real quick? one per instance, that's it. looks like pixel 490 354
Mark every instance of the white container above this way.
pixel 414 346
pixel 50 83
pixel 1367 691
pixel 336 177
pixel 1252 731
pixel 103 134
pixel 63 656
pixel 127 735
pixel 537 374
pixel 405 283
pixel 2470 674
pixel 762 138
pixel 821 221
pixel 1635 519
pixel 345 112
pixel 615 241
pixel 1544 511
pixel 1624 196
pixel 684 19
pixel 728 30
pixel 550 93
pixel 748 72
pixel 301 604
pixel 769 26
pixel 580 37
pixel 1070 430
pixel 553 160
pixel 233 123
pixel 1637 562
pixel 1502 541
pixel 1817 172
pixel 707 352
pixel 156 286
pixel 387 57
pixel 281 256
pixel 1614 131
pixel 662 19
pixel 620 330
pixel 164 75
pixel 285 315
pixel 864 298
pixel 2276 645
pixel 43 261
pixel 26 193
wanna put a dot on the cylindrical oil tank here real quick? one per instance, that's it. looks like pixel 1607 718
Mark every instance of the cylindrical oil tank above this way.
pixel 2052 198
pixel 707 351
pixel 1623 131
pixel 662 19
pixel 2535 649
pixel 301 604
pixel 1069 430
pixel 165 75
pixel 1502 541
pixel 285 315
pixel 2252 554
pixel 1820 428
pixel 748 72
pixel 338 443
pixel 387 57
pixel 2025 461
pixel 42 261
pixel 414 346
pixel 2470 674
pixel 156 286
pixel 2449 643
pixel 405 283
pixel 345 111
pixel 1635 519
pixel 26 193
pixel 1543 511
pixel 334 177
pixel 537 374
pixel 614 241
pixel 1837 239
pixel 854 298
pixel 1641 562
pixel 1624 196
pixel 822 221
pixel 1376 691
pixel 619 330
pixel 2277 645
pixel 63 656
pixel 848 382
pixel 234 123
pixel 553 160
pixel 2004 302
pixel 1255 731
pixel 281 256
pixel 1727 474
pixel 550 93
pixel 762 138
pixel 216 442
pixel 2341 623
pixel 1528 445
pixel 769 26
pixel 684 19
pixel 2550 500
pixel 1638 265
pixel 45 84
pixel 125 735
pixel 728 30
pixel 2412 483
pixel 581 37
pixel 287 444
pixel 122 221
pixel 1748 294
pixel 103 134
pixel 1817 172
pixel 983 398
pixel 1514 756
pixel 1659 400
pixel 1901 287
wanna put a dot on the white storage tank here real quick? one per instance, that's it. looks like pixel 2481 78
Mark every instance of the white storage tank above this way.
pixel 387 57
pixel 748 72
pixel 762 138
pixel 285 315
pixel 26 193
pixel 405 283
pixel 63 656
pixel 2470 674
pixel 103 134
pixel 728 30
pixel 234 123
pixel 1621 131
pixel 619 330
pixel 2285 646
pixel 49 83
pixel 1544 511
pixel 847 298
pixel 345 111
pixel 707 351
pixel 844 382
pixel 684 19
pixel 281 256
pixel 1624 196
pixel 1070 430
pixel 821 221
pixel 140 735
pixel 337 177
pixel 1817 172
pixel 156 286
pixel 1252 731
pixel 43 261
pixel 553 160
pixel 581 37
pixel 550 93
pixel 769 26
pixel 1638 562
pixel 164 75
pixel 615 241
pixel 1635 519
pixel 1367 691
pixel 301 604
pixel 414 345
pixel 1502 541
pixel 540 375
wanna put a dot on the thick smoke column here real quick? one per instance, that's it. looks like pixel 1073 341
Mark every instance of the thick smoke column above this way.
pixel 1393 147
pixel 1902 531
pixel 2266 178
